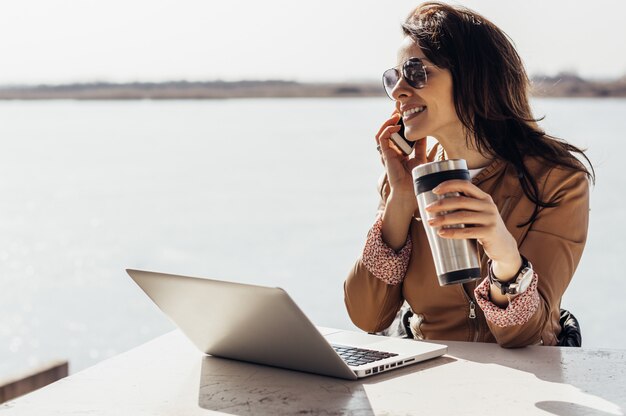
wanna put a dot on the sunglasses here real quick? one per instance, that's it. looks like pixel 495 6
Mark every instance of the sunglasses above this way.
pixel 413 71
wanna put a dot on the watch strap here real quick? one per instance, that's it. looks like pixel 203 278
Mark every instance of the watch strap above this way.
pixel 510 287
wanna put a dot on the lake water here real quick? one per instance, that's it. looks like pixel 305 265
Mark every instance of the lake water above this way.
pixel 278 192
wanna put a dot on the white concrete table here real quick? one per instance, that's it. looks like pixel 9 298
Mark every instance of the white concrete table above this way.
pixel 168 376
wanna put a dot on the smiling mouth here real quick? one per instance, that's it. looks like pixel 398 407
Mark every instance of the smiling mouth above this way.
pixel 412 111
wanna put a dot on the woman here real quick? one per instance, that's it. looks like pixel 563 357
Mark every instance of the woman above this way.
pixel 460 80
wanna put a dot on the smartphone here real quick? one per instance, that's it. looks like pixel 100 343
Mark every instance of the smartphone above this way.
pixel 402 142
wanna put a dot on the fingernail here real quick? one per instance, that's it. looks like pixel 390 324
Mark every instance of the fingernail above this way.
pixel 436 189
pixel 442 231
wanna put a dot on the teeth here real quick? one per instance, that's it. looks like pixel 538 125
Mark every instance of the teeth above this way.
pixel 413 111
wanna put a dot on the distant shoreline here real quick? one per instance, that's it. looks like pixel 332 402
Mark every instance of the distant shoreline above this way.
pixel 564 85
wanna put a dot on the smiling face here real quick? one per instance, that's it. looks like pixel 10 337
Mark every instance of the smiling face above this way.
pixel 428 111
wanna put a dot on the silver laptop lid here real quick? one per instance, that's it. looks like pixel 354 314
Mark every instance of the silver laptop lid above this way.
pixel 244 322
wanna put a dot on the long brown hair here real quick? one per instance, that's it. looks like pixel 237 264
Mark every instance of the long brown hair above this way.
pixel 491 90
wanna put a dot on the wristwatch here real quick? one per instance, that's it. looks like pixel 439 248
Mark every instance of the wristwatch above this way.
pixel 517 285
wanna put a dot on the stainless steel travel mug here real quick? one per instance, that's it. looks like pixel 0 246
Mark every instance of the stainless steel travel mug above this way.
pixel 456 261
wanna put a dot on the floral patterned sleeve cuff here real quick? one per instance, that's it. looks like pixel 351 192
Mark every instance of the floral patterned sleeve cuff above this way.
pixel 381 260
pixel 518 312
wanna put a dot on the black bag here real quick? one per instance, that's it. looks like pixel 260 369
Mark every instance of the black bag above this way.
pixel 570 335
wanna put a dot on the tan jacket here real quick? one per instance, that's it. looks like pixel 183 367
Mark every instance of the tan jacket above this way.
pixel 553 243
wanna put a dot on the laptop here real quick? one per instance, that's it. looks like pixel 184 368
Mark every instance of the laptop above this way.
pixel 263 325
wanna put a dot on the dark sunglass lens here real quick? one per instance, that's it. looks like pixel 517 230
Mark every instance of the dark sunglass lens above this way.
pixel 415 73
pixel 390 79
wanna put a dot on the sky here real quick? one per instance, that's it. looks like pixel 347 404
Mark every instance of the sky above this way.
pixel 59 41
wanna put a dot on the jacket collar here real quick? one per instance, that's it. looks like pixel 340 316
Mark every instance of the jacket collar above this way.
pixel 488 171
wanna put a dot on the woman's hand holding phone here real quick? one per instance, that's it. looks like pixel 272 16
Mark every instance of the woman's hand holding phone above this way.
pixel 397 164
pixel 401 204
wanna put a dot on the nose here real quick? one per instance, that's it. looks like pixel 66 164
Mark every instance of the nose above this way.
pixel 402 90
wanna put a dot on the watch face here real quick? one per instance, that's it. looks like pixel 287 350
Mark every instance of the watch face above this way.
pixel 524 280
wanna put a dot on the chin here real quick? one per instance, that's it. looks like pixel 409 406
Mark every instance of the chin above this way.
pixel 415 134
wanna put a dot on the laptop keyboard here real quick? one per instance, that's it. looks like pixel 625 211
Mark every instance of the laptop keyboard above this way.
pixel 360 356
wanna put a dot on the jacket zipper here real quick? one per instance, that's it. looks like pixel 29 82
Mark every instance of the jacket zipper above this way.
pixel 472 313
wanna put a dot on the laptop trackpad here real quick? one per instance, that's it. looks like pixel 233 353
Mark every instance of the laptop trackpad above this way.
pixel 353 338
